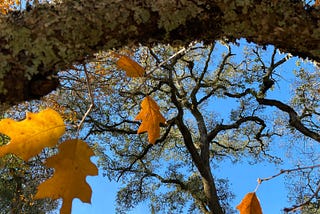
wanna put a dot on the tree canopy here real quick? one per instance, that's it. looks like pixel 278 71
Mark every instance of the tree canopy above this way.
pixel 180 62
pixel 189 84
pixel 46 38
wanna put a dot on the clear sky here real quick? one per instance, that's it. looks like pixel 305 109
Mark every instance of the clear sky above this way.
pixel 243 179
pixel 242 176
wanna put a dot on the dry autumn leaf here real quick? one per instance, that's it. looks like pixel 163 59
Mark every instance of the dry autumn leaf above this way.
pixel 131 67
pixel 151 119
pixel 7 5
pixel 250 204
pixel 30 136
pixel 72 164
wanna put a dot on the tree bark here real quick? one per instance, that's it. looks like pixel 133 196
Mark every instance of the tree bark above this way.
pixel 49 38
pixel 210 191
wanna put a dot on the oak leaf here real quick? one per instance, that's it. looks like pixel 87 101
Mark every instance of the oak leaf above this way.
pixel 151 119
pixel 131 67
pixel 72 164
pixel 8 5
pixel 250 204
pixel 30 136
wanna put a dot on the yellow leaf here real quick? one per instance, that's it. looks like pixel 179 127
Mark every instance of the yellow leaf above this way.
pixel 250 204
pixel 151 119
pixel 30 136
pixel 131 67
pixel 7 5
pixel 72 164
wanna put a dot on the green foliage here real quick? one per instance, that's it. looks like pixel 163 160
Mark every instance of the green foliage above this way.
pixel 217 107
pixel 18 185
pixel 19 181
pixel 166 174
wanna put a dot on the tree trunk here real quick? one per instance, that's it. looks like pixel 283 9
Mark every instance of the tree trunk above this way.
pixel 211 194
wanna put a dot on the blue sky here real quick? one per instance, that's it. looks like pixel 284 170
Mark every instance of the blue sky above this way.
pixel 243 179
pixel 242 175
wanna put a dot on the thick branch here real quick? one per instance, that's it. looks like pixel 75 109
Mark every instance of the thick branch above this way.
pixel 294 119
pixel 50 38
pixel 220 127
pixel 201 161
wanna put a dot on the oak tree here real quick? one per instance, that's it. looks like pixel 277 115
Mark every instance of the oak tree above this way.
pixel 188 85
pixel 52 41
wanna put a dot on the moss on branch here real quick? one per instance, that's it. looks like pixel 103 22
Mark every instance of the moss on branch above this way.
pixel 37 44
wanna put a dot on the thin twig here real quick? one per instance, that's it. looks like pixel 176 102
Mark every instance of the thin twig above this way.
pixel 146 149
pixel 299 206
pixel 282 171
pixel 91 100
pixel 181 51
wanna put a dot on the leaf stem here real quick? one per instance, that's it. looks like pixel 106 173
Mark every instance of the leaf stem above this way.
pixel 180 52
pixel 91 99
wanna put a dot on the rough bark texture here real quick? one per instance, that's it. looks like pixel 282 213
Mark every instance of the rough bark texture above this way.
pixel 37 44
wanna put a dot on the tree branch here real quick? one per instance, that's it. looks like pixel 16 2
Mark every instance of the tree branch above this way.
pixel 212 134
pixel 298 206
pixel 49 38
pixel 307 202
pixel 146 149
pixel 184 187
pixel 294 119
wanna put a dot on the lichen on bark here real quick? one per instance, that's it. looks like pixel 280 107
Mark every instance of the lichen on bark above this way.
pixel 37 44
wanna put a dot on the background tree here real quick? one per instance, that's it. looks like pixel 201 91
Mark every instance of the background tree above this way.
pixel 188 86
pixel 18 183
pixel 48 38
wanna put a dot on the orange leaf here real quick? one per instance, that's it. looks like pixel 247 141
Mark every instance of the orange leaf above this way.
pixel 250 204
pixel 72 164
pixel 151 119
pixel 30 136
pixel 131 67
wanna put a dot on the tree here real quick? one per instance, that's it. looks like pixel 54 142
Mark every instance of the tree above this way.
pixel 178 171
pixel 51 37
pixel 18 183
pixel 19 180
pixel 47 38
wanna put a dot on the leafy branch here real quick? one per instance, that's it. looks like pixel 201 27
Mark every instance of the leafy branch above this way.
pixel 287 171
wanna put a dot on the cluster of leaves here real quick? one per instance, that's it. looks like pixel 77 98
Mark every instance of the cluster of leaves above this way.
pixel 72 162
pixel 185 81
pixel 150 111
pixel 18 183
pixel 7 5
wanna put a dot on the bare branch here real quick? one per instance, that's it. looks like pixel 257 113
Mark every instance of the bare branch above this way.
pixel 260 180
pixel 287 171
pixel 91 99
